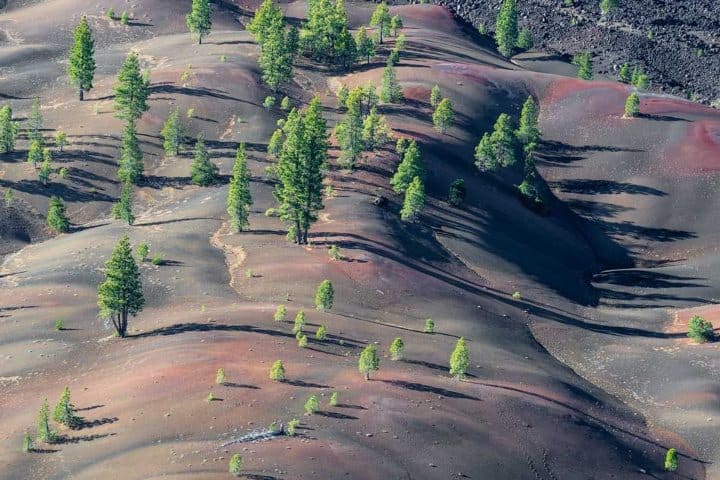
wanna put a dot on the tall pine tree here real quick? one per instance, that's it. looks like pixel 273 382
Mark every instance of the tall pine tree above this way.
pixel 122 210
pixel 381 19
pixel 414 201
pixel 81 64
pixel 172 133
pixel 203 171
pixel 349 130
pixel 506 27
pixel 8 130
pixel 131 91
pixel 198 20
pixel 130 164
pixel 275 59
pixel 410 167
pixel 239 199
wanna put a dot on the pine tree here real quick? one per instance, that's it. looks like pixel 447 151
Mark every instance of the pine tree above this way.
pixel 608 6
pixel 27 445
pixel 312 405
pixel 414 201
pixel 122 210
pixel 528 131
pixel 120 295
pixel 239 199
pixel 56 218
pixel 130 164
pixel 671 460
pixel 235 465
pixel 456 193
pixel 342 95
pixel 525 40
pixel 321 333
pixel 280 313
pixel 275 59
pixel 443 115
pixel 35 153
pixel 131 90
pixel 375 130
pixel 64 411
pixel 60 140
pixel 401 145
pixel 35 123
pixel 365 44
pixel 324 296
pixel 435 96
pixel 410 167
pixel 381 19
pixel 325 35
pixel 8 130
pixel 44 433
pixel 172 133
pixel 584 64
pixel 300 321
pixel 203 172
pixel 350 130
pixel 625 74
pixel 498 149
pixel 369 361
pixel 264 16
pixel 46 167
pixel 81 64
pixel 396 349
pixel 632 105
pixel 459 360
pixel 275 143
pixel 277 371
pixel 391 91
pixel 198 20
pixel 300 170
pixel 506 28
pixel 396 24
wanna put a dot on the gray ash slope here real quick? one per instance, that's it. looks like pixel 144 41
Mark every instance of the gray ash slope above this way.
pixel 682 57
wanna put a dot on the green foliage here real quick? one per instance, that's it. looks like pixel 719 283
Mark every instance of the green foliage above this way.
pixel 122 210
pixel 110 13
pixel 285 103
pixel 394 57
pixel 381 20
pixel 131 90
pixel 414 201
pixel 280 313
pixel 236 463
pixel 482 29
pixel 321 333
pixel 120 295
pixel 369 361
pixel 35 153
pixel 302 340
pixel 375 131
pixel 435 96
pixel 459 360
pixel 639 79
pixel 299 323
pixel 325 35
pixel 130 164
pixel 124 18
pixel 671 460
pixel 157 260
pixel 203 172
pixel 27 444
pixel 443 115
pixel 275 57
pixel 528 131
pixel 400 42
pixel 198 21
pixel 239 198
pixel 632 105
pixel 312 405
pixel 59 325
pixel 525 40
pixel 349 131
pixel 396 24
pixel 172 133
pixel 64 411
pixel 300 170
pixel 269 102
pixel 264 16
pixel 700 330
pixel 401 145
pixel 60 139
pixel 56 218
pixel 275 143
pixel 190 113
pixel 45 167
pixel 456 192
pixel 143 250
pixel 8 130
pixel 584 64
pixel 365 44
pixel 506 28
pixel 291 426
pixel 220 376
pixel 499 148
pixel 63 172
pixel 81 61
pixel 277 371
pixel 410 167
pixel 35 124
pixel 334 399
pixel 44 433
pixel 396 348
pixel 608 6
pixel 334 252
pixel 625 74
pixel 8 197
pixel 391 91
pixel 342 95
pixel 429 326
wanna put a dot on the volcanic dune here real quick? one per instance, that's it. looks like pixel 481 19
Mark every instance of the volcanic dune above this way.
pixel 587 375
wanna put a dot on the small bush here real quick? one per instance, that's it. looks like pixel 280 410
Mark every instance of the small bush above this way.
pixel 302 341
pixel 429 326
pixel 285 104
pixel 280 313
pixel 299 322
pixel 272 212
pixel 143 251
pixel 291 426
pixel 124 18
pixel 157 260
pixel 236 463
pixel 396 349
pixel 190 111
pixel 329 191
pixel 334 399
pixel 321 333
pixel 312 405
pixel 334 252
pixel 110 13
pixel 220 376
pixel 223 58
pixel 277 371
pixel 700 330
pixel 59 325
pixel 210 397
pixel 269 102
pixel 27 444
pixel 516 295
pixel 671 460
pixel 63 172
pixel 249 273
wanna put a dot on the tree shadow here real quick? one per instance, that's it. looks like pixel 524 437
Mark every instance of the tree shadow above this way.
pixel 335 415
pixel 240 385
pixel 301 383
pixel 83 423
pixel 92 407
pixel 433 366
pixel 421 387
pixel 350 406
pixel 604 187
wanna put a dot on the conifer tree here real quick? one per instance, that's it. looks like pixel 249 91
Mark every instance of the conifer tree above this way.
pixel 459 359
pixel 35 123
pixel 369 361
pixel 443 115
pixel 456 193
pixel 60 140
pixel 396 348
pixel 528 131
pixel 275 59
pixel 381 19
pixel 81 64
pixel 608 6
pixel 277 371
pixel 342 95
pixel 300 170
pixel 584 64
pixel 632 105
pixel 525 40
pixel 203 172
pixel 410 167
pixel 312 405
pixel 239 199
pixel 324 296
pixel 198 20
pixel 506 28
pixel 131 90
pixel 235 465
pixel 130 164
pixel 375 130
pixel 35 153
pixel 56 218
pixel 365 44
pixel 325 35
pixel 401 145
pixel 414 201
pixel 44 433
pixel 391 91
pixel 280 313
pixel 435 96
pixel 64 411
pixel 275 143
pixel 321 333
pixel 120 295
pixel 46 167
pixel 350 130
pixel 264 16
pixel 671 460
pixel 122 210
pixel 172 133
pixel 499 148
pixel 625 74
pixel 300 321
pixel 8 130
pixel 396 24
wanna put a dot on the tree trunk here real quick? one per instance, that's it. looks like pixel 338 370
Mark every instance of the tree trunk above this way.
pixel 123 323
pixel 199 39
pixel 367 375
pixel 81 94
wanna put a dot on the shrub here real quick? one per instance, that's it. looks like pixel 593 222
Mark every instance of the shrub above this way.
pixel 299 322
pixel 671 460
pixel 64 411
pixel 334 252
pixel 124 18
pixel 269 102
pixel 63 172
pixel 157 260
pixel 220 376
pixel 700 330
pixel 27 444
pixel 396 349
pixel 312 405
pixel 248 273
pixel 110 13
pixel 632 105
pixel 277 371
pixel 516 295
pixel 429 326
pixel 368 361
pixel 456 193
pixel 334 399
pixel 302 341
pixel 285 104
pixel 321 333
pixel 324 296
pixel 236 463
pixel 459 359
pixel 143 251
pixel 223 58
pixel 280 313
pixel 210 397
pixel 59 325
pixel 525 40
pixel 44 433
pixel 291 426
pixel 190 111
